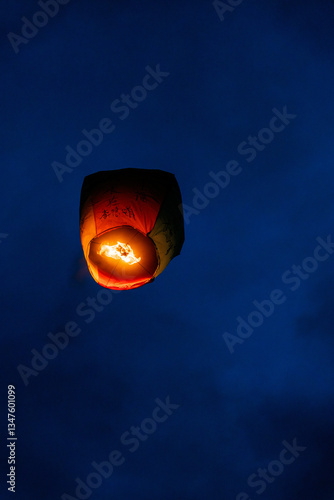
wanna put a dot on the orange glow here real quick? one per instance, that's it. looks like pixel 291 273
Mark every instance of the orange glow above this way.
pixel 119 251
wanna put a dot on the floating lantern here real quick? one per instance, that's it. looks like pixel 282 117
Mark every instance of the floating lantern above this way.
pixel 131 225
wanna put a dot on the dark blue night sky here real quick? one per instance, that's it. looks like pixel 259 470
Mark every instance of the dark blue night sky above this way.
pixel 215 381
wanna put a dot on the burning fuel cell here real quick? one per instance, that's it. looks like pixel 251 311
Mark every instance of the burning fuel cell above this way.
pixel 119 251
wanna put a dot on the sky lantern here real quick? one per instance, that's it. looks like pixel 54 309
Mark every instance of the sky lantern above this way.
pixel 131 225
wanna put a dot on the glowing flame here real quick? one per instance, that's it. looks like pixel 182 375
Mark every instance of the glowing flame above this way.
pixel 119 251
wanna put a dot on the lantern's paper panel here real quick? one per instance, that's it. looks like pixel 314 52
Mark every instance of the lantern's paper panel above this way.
pixel 131 225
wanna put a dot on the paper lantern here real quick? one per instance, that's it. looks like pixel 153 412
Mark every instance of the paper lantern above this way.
pixel 131 225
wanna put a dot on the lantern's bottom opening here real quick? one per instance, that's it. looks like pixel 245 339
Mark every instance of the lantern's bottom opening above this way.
pixel 122 258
